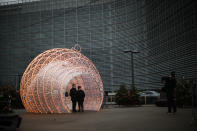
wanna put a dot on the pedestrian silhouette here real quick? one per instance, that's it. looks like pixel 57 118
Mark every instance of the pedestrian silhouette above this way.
pixel 73 94
pixel 171 86
pixel 80 98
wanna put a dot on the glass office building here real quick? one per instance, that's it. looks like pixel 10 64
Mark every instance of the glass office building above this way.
pixel 163 31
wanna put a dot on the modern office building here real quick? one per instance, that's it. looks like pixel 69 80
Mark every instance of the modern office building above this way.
pixel 163 31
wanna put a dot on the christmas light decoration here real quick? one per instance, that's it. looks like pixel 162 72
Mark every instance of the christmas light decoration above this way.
pixel 51 74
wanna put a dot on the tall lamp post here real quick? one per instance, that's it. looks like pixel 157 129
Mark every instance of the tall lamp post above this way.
pixel 132 66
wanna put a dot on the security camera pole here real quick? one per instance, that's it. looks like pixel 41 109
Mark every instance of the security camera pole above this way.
pixel 132 66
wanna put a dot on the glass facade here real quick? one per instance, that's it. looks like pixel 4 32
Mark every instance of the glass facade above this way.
pixel 171 39
pixel 164 32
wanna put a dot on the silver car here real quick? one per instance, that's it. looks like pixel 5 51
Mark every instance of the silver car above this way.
pixel 149 94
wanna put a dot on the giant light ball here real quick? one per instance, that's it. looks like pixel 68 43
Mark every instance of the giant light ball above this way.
pixel 51 74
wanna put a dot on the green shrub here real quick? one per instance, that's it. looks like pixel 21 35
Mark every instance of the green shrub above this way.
pixel 127 97
pixel 183 93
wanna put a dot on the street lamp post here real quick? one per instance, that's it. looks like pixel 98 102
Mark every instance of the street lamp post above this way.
pixel 132 65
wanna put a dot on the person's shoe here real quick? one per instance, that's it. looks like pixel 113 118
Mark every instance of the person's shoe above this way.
pixel 78 110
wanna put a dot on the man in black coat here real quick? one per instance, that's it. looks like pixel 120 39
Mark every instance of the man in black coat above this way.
pixel 80 98
pixel 171 86
pixel 73 94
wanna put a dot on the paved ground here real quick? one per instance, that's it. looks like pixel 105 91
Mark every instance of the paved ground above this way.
pixel 115 119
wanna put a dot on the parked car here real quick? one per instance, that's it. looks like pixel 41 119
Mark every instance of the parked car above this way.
pixel 149 97
pixel 149 94
pixel 162 102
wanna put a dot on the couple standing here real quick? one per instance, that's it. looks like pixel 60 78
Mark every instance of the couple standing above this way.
pixel 77 96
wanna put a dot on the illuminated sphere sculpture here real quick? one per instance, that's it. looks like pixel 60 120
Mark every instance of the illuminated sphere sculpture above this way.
pixel 51 74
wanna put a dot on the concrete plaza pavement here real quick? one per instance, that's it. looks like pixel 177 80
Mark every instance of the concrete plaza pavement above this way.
pixel 115 119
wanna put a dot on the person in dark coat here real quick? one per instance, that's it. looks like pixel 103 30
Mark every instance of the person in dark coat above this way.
pixel 171 86
pixel 80 98
pixel 73 94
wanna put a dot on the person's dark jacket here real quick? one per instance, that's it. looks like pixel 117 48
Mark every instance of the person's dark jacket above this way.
pixel 171 85
pixel 166 85
pixel 80 95
pixel 73 94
